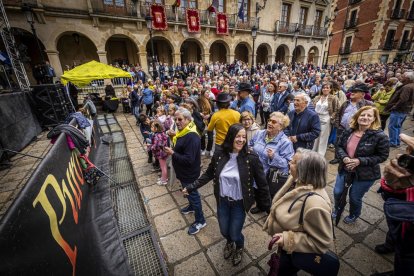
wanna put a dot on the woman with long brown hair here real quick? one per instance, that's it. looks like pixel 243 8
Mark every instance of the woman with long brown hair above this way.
pixel 205 111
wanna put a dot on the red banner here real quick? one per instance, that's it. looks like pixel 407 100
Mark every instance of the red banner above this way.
pixel 193 20
pixel 159 20
pixel 222 24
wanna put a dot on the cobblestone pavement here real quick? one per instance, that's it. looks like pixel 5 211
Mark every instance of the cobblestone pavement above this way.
pixel 12 180
pixel 202 253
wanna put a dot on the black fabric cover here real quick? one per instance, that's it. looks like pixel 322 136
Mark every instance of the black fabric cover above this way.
pixel 18 123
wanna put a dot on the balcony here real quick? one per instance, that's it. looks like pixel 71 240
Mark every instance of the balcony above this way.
pixel 390 45
pixel 345 50
pixel 304 30
pixel 397 14
pixel 410 15
pixel 405 45
pixel 350 24
pixel 352 2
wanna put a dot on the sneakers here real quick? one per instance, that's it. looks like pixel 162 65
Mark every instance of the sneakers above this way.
pixel 255 210
pixel 383 249
pixel 228 250
pixel 237 256
pixel 350 219
pixel 196 227
pixel 187 210
pixel 203 152
pixel 162 182
pixel 331 146
pixel 211 153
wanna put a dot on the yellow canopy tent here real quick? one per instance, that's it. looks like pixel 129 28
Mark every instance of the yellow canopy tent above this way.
pixel 83 74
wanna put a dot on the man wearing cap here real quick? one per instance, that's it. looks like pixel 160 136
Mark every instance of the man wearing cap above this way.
pixel 222 119
pixel 348 109
pixel 399 105
pixel 245 103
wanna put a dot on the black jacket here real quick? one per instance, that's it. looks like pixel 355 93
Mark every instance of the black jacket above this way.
pixel 372 149
pixel 250 169
pixel 186 159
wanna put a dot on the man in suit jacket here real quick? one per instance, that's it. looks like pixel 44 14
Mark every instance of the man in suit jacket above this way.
pixel 279 99
pixel 304 125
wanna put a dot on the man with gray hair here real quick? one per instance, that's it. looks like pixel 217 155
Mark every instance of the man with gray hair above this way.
pixel 399 105
pixel 186 160
pixel 279 99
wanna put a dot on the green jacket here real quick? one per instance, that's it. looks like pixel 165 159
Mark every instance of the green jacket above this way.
pixel 381 99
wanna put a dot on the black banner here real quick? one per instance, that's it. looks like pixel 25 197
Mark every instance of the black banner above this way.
pixel 59 225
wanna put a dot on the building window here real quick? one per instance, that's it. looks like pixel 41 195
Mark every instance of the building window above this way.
pixel 245 7
pixel 114 3
pixel 190 4
pixel 348 42
pixel 397 5
pixel 303 16
pixel 353 17
pixel 285 16
pixel 318 18
pixel 161 2
pixel 222 6
pixel 389 40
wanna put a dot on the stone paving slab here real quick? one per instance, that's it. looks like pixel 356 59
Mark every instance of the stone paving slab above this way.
pixel 202 254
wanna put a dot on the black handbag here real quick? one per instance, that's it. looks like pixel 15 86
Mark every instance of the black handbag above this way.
pixel 314 263
pixel 275 180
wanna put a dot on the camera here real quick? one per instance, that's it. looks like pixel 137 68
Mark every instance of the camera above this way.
pixel 406 161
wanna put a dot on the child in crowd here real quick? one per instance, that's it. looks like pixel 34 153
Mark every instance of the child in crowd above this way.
pixel 158 142
pixel 160 114
pixel 145 128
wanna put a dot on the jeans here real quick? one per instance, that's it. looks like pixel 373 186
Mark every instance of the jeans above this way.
pixel 394 127
pixel 195 202
pixel 135 112
pixel 332 136
pixel 148 111
pixel 356 193
pixel 231 216
pixel 209 141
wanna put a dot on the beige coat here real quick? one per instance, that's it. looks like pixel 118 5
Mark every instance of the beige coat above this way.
pixel 315 236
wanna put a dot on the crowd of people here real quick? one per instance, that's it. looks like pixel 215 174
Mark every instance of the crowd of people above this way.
pixel 267 131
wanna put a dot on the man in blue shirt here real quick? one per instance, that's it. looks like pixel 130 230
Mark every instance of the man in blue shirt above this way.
pixel 245 103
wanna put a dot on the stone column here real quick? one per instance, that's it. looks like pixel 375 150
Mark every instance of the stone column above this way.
pixel 54 60
pixel 176 58
pixel 143 61
pixel 230 58
pixel 271 59
pixel 102 56
pixel 206 58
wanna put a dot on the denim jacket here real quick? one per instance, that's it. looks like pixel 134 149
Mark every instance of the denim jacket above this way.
pixel 282 147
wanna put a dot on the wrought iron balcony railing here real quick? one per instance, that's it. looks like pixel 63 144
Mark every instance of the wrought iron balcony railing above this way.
pixel 349 24
pixel 345 50
pixel 410 15
pixel 282 27
pixel 405 45
pixel 390 45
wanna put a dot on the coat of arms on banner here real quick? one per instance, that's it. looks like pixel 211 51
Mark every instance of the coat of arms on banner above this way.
pixel 193 20
pixel 159 20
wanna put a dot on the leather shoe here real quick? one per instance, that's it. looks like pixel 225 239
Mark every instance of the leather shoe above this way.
pixel 255 210
pixel 383 249
pixel 334 161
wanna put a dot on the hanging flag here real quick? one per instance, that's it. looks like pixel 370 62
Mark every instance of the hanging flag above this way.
pixel 193 20
pixel 241 11
pixel 222 24
pixel 176 5
pixel 159 20
pixel 214 6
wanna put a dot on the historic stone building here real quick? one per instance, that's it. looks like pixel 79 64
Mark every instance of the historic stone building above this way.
pixel 370 31
pixel 74 32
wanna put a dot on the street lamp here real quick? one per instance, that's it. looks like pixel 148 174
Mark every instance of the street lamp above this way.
pixel 254 35
pixel 327 53
pixel 28 12
pixel 297 30
pixel 148 20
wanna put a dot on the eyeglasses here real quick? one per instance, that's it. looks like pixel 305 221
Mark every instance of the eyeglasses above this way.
pixel 272 121
pixel 179 119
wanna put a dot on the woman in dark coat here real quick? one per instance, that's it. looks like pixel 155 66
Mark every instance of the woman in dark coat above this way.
pixel 233 172
pixel 360 150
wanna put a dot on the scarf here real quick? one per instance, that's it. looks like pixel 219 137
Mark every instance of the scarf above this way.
pixel 191 127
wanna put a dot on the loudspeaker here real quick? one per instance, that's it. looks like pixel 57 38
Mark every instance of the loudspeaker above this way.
pixel 51 103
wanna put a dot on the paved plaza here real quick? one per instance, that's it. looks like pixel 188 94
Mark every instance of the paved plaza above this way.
pixel 202 254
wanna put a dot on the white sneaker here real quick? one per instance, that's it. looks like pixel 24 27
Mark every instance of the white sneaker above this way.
pixel 211 153
pixel 203 152
pixel 162 183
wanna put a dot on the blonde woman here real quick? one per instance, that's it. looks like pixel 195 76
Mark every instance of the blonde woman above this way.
pixel 326 106
pixel 247 120
pixel 360 150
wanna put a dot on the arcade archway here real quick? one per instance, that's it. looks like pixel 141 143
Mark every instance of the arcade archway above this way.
pixel 218 52
pixel 75 49
pixel 121 50
pixel 190 51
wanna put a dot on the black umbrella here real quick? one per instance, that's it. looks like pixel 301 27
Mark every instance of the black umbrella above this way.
pixel 349 178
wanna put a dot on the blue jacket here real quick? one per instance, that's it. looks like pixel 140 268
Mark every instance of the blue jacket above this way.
pixel 281 146
pixel 280 105
pixel 186 159
pixel 244 105
pixel 147 96
pixel 305 126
